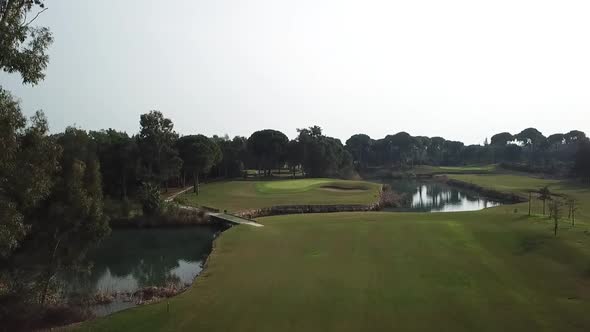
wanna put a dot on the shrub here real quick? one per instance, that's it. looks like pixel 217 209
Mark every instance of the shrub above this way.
pixel 151 202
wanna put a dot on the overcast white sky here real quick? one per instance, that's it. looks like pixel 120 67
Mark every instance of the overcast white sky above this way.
pixel 463 70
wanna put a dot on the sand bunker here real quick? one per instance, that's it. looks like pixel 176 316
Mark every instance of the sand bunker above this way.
pixel 343 189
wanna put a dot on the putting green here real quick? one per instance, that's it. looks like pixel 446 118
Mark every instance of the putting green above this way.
pixel 277 187
pixel 241 195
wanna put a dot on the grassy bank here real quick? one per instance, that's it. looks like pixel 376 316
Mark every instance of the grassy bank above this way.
pixel 380 271
pixel 240 195
pixel 519 184
pixel 491 270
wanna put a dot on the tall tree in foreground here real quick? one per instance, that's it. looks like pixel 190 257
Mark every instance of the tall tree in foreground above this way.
pixel 199 154
pixel 71 220
pixel 56 196
pixel 23 45
pixel 28 164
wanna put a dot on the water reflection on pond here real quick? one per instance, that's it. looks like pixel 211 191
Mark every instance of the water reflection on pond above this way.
pixel 430 196
pixel 132 259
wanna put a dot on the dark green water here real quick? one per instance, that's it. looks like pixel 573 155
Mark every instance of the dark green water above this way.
pixel 129 260
pixel 430 196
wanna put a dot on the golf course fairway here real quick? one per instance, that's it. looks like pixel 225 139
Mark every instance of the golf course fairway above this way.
pixel 497 269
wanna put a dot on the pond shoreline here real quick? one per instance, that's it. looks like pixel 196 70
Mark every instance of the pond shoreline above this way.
pixel 506 198
pixel 100 302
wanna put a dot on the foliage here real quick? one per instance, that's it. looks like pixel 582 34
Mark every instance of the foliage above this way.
pixel 28 167
pixel 323 156
pixel 582 164
pixel 295 155
pixel 199 154
pixel 502 139
pixel 22 45
pixel 359 146
pixel 64 223
pixel 151 202
pixel 234 156
pixel 268 148
pixel 119 157
pixel 555 154
pixel 156 140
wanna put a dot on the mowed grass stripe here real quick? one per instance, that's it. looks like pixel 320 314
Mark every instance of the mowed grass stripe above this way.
pixel 383 272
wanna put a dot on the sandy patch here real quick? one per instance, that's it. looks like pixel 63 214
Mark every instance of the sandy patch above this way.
pixel 341 189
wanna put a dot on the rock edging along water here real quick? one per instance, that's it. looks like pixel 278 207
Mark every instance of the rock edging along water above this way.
pixel 489 193
pixel 387 198
pixel 299 209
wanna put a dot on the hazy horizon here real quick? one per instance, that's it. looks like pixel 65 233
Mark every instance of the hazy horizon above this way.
pixel 456 69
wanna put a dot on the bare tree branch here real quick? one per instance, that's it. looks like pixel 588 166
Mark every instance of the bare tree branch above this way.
pixel 34 18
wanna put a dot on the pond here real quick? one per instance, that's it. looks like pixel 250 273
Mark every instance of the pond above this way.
pixel 129 260
pixel 431 196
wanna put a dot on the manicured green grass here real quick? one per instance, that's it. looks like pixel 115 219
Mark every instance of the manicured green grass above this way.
pixel 490 270
pixel 494 271
pixel 505 182
pixel 241 195
pixel 520 184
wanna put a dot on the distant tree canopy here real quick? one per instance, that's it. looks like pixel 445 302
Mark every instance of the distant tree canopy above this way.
pixel 268 149
pixel 156 140
pixel 502 139
pixel 582 164
pixel 322 156
pixel 360 147
pixel 199 154
pixel 119 158
pixel 529 149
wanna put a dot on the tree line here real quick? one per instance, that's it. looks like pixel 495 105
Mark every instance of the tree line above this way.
pixel 528 150
pixel 158 155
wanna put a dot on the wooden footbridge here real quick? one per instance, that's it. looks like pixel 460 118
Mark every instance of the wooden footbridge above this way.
pixel 223 217
pixel 234 220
